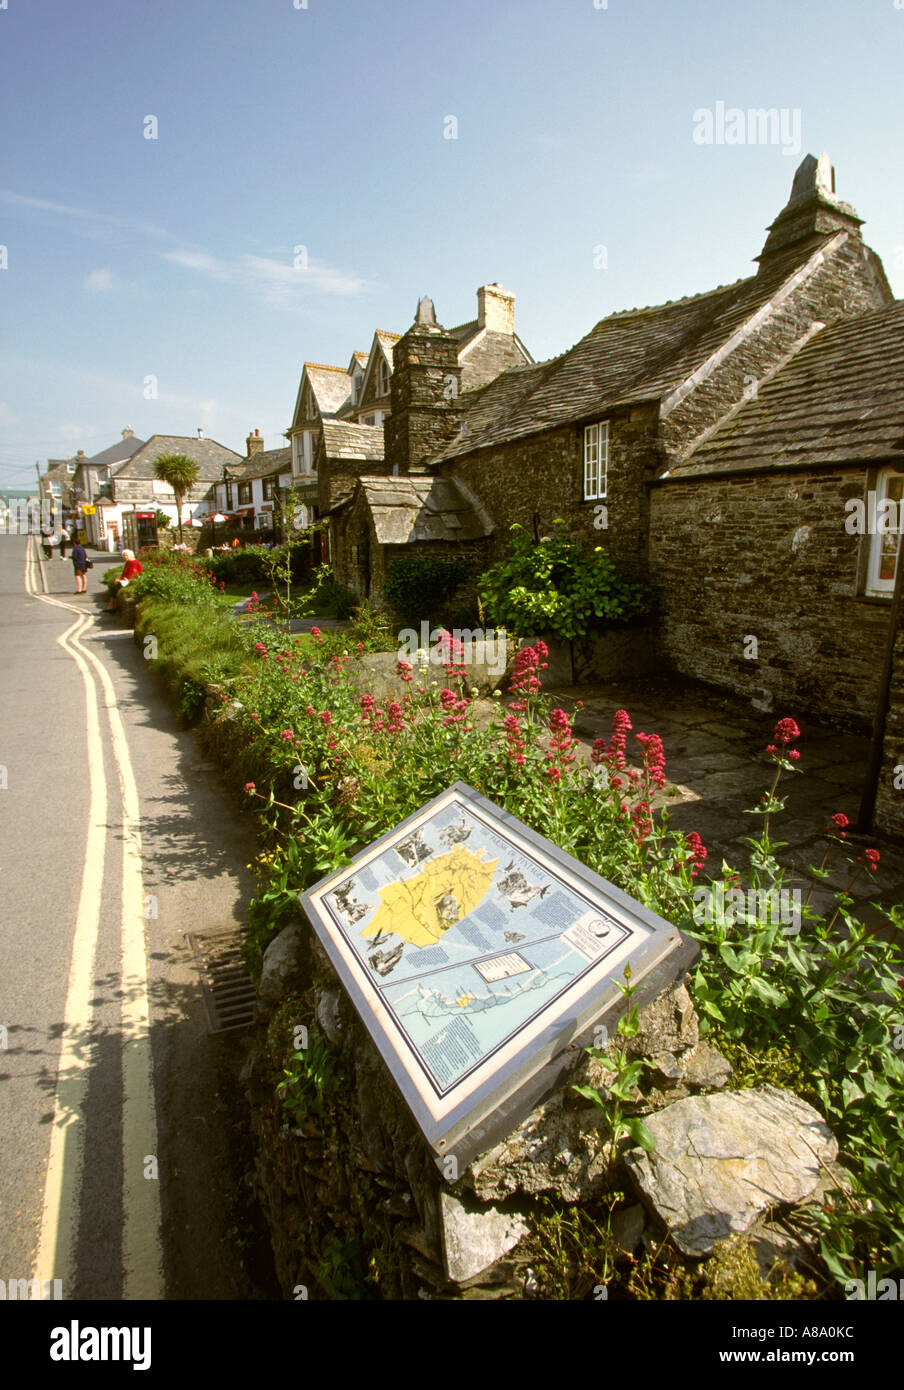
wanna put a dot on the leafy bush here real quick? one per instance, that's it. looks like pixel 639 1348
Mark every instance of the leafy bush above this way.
pixel 163 520
pixel 556 586
pixel 417 586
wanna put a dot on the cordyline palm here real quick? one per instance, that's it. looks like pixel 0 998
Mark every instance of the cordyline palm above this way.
pixel 181 473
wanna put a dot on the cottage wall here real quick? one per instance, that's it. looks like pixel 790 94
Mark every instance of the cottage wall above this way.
pixel 543 477
pixel 768 557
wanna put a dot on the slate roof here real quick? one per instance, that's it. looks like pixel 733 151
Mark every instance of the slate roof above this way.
pixel 633 356
pixel 331 386
pixel 343 439
pixel 117 453
pixel 207 453
pixel 422 508
pixel 839 400
pixel 262 464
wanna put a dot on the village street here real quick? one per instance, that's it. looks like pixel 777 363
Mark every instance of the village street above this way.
pixel 115 1106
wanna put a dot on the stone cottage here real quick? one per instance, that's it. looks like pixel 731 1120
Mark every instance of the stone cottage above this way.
pixel 710 443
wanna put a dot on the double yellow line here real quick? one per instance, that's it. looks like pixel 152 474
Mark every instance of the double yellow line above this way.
pixel 141 1242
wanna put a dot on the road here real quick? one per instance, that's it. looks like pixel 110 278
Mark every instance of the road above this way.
pixel 122 1166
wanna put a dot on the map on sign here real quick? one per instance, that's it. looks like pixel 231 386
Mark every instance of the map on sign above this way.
pixel 467 936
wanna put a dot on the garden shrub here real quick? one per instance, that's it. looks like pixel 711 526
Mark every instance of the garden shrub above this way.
pixel 417 586
pixel 557 587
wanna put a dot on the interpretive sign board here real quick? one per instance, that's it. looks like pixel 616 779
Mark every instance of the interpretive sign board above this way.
pixel 475 952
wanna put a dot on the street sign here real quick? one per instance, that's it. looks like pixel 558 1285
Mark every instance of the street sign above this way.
pixel 88 510
pixel 480 957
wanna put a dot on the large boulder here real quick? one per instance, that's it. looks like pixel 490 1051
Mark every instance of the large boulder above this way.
pixel 283 971
pixel 721 1160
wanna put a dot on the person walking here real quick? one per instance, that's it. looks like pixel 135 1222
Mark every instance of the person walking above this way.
pixel 64 540
pixel 80 566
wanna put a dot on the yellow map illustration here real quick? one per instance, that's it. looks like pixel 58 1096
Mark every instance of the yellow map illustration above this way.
pixel 421 909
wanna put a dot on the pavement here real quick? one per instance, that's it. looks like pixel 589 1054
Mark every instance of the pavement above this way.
pixel 81 715
pixel 717 769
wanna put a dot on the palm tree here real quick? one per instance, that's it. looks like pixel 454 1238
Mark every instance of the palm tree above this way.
pixel 181 473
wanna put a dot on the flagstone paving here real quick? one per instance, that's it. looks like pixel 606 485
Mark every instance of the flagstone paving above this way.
pixel 715 758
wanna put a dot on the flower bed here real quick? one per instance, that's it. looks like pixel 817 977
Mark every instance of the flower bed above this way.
pixel 800 997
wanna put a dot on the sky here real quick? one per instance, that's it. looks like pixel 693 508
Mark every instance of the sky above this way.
pixel 320 164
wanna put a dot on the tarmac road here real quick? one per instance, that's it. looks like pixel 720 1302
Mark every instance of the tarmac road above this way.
pixel 120 1172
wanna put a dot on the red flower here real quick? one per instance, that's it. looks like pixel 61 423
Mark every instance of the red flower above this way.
pixel 872 857
pixel 786 730
pixel 698 852
pixel 249 787
pixel 287 736
pixel 840 821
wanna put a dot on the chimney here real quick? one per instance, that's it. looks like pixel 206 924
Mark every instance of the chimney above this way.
pixel 812 212
pixel 425 386
pixel 128 432
pixel 254 444
pixel 496 309
pixel 80 456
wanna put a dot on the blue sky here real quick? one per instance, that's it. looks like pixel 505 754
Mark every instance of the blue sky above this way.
pixel 323 127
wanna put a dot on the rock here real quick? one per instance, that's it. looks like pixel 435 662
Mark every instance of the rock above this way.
pixel 475 1240
pixel 669 1024
pixel 720 1160
pixel 326 1007
pixel 627 1227
pixel 704 1068
pixel 283 967
pixel 555 1149
pixel 666 1065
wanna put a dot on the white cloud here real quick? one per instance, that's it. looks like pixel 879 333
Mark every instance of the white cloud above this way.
pixel 101 282
pixel 281 283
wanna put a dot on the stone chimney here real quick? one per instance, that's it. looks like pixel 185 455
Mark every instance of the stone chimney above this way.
pixel 80 456
pixel 425 386
pixel 496 309
pixel 254 444
pixel 128 432
pixel 811 214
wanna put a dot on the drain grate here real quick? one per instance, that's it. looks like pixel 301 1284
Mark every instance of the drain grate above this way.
pixel 228 992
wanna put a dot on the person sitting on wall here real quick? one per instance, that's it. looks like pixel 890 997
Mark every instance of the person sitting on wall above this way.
pixel 129 571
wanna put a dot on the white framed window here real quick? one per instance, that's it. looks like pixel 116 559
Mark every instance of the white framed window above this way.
pixel 884 534
pixel 596 461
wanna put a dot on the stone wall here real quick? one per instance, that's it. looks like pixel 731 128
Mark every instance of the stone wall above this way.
pixel 543 477
pixel 768 557
pixel 889 813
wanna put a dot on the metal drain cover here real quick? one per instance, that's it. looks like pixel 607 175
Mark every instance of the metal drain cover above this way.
pixel 228 992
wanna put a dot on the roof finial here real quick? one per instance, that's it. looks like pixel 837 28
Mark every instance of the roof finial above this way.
pixel 425 311
pixel 814 176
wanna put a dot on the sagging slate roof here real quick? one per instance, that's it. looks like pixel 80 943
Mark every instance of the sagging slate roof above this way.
pixel 342 439
pixel 422 508
pixel 633 356
pixel 839 400
pixel 207 453
pixel 262 464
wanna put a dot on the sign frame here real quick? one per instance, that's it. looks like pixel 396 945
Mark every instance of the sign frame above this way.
pixel 472 1113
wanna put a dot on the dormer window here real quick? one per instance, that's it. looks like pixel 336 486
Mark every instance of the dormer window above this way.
pixel 596 461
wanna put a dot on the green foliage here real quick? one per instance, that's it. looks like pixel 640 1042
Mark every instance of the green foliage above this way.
pixel 556 586
pixel 313 1079
pixel 181 473
pixel 733 1273
pixel 163 520
pixel 418 586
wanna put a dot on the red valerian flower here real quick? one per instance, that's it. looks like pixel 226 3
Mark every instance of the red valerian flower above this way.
pixel 326 718
pixel 403 669
pixel 249 787
pixel 698 852
pixel 786 730
pixel 653 758
pixel 287 736
pixel 872 857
